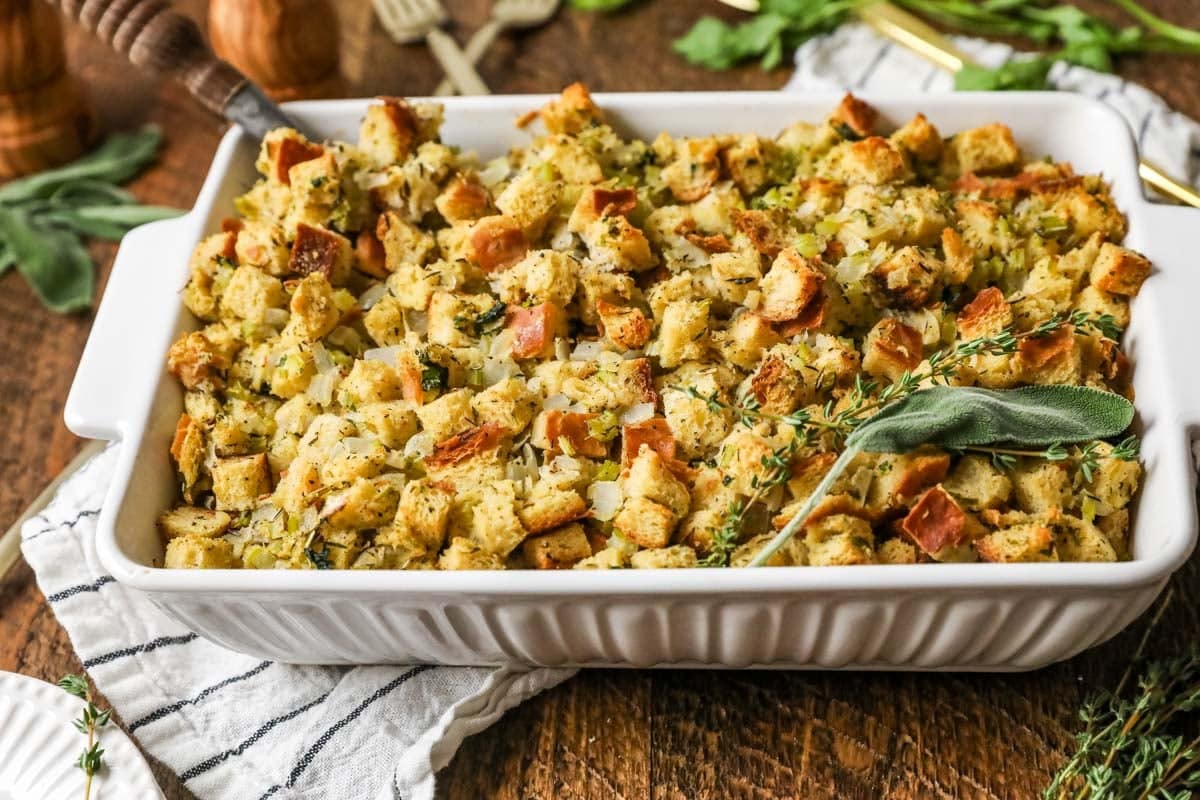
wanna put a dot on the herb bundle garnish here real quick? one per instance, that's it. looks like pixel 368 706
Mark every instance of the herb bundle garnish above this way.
pixel 43 216
pixel 781 26
pixel 1142 745
pixel 91 760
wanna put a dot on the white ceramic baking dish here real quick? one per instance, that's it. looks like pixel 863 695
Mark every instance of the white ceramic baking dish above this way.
pixel 953 616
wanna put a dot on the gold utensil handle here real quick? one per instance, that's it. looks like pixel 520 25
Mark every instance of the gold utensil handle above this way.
pixel 159 40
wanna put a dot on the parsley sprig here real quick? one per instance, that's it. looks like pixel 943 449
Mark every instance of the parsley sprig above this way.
pixel 91 760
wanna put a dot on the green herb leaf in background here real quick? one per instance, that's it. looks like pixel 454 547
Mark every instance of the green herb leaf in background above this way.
pixel 957 418
pixel 600 5
pixel 43 216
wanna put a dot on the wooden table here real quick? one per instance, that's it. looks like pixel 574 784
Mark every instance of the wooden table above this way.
pixel 607 733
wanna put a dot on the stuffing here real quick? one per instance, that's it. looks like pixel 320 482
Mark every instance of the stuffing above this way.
pixel 583 353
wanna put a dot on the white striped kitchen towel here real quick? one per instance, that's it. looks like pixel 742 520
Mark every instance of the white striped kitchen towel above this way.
pixel 237 728
pixel 234 727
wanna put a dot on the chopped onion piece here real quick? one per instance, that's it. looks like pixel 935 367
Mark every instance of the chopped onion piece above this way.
pixel 420 445
pixel 372 296
pixel 417 321
pixel 388 355
pixel 277 317
pixel 637 413
pixel 494 171
pixel 496 370
pixel 310 519
pixel 587 351
pixel 606 499
pixel 320 389
pixel 322 360
pixel 557 402
pixel 562 350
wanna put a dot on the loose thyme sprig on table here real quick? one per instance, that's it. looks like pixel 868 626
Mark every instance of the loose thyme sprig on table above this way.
pixel 1140 747
pixel 867 397
pixel 91 760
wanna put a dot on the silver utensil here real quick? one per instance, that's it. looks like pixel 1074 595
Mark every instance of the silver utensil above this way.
pixel 505 14
pixel 408 21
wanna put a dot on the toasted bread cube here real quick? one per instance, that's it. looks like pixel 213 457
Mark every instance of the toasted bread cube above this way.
pixel 650 477
pixel 193 521
pixel 977 484
pixel 694 170
pixel 543 276
pixel 839 539
pixel 535 329
pixel 369 382
pixel 393 423
pixel 1042 486
pixel 447 415
pixel 989 148
pixel 679 556
pixel 466 554
pixel 495 526
pixel 768 230
pixel 896 551
pixel 1052 359
pixel 389 133
pixel 507 403
pixel 608 558
pixel 683 334
pixel 1115 527
pixel 1119 270
pixel 422 517
pixel 316 189
pixel 214 256
pixel 959 258
pixel 531 201
pixel 874 161
pixel 365 503
pixel 1097 302
pixel 465 199
pixel 497 242
pixel 1077 540
pixel 1025 542
pixel 776 386
pixel 549 507
pixel 251 293
pixel 239 482
pixel 263 245
pixel 752 162
pixel 282 149
pixel 342 465
pixel 596 201
pixel 615 243
pixel 627 328
pixel 986 315
pixel 908 279
pixel 560 549
pixel 322 251
pixel 900 478
pixel 403 242
pixel 645 522
pixel 199 552
pixel 853 118
pixel 746 339
pixel 385 323
pixel 891 349
pixel 696 427
pixel 1115 481
pixel 188 450
pixel 789 286
pixel 197 362
pixel 571 111
pixel 939 526
pixel 793 553
pixel 920 138
pixel 314 310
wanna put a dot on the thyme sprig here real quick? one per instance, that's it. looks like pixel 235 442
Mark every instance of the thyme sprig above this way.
pixel 1139 746
pixel 777 466
pixel 1088 457
pixel 91 760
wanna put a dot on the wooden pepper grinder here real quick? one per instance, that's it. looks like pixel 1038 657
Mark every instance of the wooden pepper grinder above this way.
pixel 44 118
pixel 288 47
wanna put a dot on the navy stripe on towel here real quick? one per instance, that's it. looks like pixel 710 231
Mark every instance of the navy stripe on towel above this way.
pixel 94 586
pixel 162 641
pixel 306 760
pixel 158 714
pixel 264 729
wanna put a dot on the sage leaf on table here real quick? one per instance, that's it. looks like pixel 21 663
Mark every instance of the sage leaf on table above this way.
pixel 43 216
pixel 955 418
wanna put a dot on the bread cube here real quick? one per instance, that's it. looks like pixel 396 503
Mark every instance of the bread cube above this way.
pixel 447 415
pixel 874 161
pixel 560 549
pixel 986 149
pixel 466 554
pixel 239 482
pixel 694 170
pixel 549 507
pixel 976 483
pixel 282 149
pixel 193 521
pixel 839 539
pixel 919 138
pixel 891 349
pixel 314 312
pixel 543 276
pixel 745 340
pixel 531 201
pixel 910 278
pixel 1024 542
pixel 571 112
pixel 1119 270
pixel 678 557
pixel 1040 486
pixel 495 526
pixel 789 286
pixel 422 517
pixel 390 132
pixel 263 245
pixel 199 552
pixel 683 334
pixel 986 315
pixel 507 403
pixel 615 243
pixel 393 422
pixel 403 242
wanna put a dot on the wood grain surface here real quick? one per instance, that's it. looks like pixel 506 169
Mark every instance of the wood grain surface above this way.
pixel 667 735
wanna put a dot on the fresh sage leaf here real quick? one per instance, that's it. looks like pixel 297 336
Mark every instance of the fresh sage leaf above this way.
pixel 118 159
pixel 108 222
pixel 91 193
pixel 54 262
pixel 7 259
pixel 954 417
pixel 1027 74
pixel 960 417
pixel 599 5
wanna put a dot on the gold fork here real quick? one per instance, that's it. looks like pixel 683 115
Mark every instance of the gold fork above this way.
pixel 912 32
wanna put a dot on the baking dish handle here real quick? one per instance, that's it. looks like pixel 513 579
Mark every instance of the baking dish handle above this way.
pixel 139 301
pixel 1175 252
